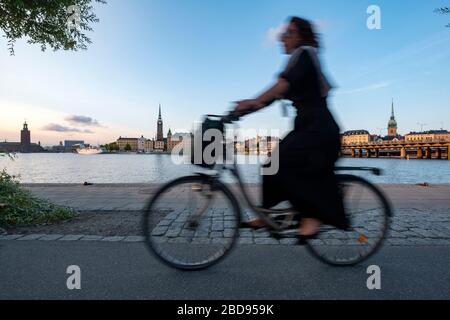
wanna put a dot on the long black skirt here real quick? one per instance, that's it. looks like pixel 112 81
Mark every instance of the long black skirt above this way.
pixel 306 177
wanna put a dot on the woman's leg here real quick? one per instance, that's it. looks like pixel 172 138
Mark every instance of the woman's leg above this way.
pixel 271 196
pixel 309 227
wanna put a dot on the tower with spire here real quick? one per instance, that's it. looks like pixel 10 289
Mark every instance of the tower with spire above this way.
pixel 25 138
pixel 159 134
pixel 392 124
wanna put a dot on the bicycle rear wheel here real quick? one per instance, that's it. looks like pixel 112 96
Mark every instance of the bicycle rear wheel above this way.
pixel 192 222
pixel 368 212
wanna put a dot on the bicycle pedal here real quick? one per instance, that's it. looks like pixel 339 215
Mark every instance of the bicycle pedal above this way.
pixel 276 235
pixel 193 225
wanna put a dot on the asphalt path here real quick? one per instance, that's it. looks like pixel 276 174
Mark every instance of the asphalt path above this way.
pixel 37 270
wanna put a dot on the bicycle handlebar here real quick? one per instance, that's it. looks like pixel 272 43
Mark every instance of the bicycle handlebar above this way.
pixel 232 116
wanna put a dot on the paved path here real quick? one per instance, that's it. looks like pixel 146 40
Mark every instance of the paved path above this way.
pixel 421 217
pixel 135 196
pixel 37 270
pixel 414 261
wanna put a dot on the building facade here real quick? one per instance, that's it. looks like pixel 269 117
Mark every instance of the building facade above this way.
pixel 431 135
pixel 355 136
pixel 123 142
pixel 141 144
pixel 159 145
pixel 24 146
pixel 174 140
pixel 149 145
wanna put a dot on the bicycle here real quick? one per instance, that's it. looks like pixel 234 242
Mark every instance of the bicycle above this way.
pixel 195 236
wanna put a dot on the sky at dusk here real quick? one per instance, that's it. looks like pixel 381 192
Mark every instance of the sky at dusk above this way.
pixel 197 56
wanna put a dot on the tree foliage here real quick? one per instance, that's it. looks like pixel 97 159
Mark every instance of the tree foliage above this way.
pixel 444 10
pixel 110 147
pixel 58 24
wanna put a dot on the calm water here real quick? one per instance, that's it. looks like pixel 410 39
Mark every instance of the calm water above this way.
pixel 133 168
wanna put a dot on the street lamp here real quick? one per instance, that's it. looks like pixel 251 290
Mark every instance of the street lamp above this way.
pixel 380 131
pixel 421 126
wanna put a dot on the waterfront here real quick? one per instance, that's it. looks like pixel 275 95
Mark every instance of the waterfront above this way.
pixel 155 168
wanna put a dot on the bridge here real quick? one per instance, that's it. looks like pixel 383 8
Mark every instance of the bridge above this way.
pixel 431 149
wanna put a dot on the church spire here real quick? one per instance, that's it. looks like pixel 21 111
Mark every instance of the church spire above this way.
pixel 392 115
pixel 159 134
pixel 392 124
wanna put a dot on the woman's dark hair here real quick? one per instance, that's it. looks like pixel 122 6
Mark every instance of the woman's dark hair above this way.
pixel 306 32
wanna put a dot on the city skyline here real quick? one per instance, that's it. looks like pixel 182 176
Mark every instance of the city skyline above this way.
pixel 192 59
pixel 391 132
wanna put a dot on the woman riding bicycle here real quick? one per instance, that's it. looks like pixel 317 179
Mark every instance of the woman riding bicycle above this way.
pixel 307 155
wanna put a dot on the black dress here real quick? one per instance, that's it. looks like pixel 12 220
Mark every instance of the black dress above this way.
pixel 307 155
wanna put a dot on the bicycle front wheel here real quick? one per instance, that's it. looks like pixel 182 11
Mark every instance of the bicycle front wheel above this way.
pixel 368 212
pixel 192 222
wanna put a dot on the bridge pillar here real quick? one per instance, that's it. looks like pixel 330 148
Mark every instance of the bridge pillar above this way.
pixel 377 153
pixel 427 153
pixel 360 152
pixel 353 153
pixel 438 153
pixel 368 151
pixel 419 153
pixel 448 153
pixel 403 153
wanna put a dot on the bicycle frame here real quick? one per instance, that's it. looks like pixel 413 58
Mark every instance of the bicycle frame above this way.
pixel 210 183
pixel 262 213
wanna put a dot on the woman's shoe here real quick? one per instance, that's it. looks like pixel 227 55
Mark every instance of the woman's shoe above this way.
pixel 288 221
pixel 252 224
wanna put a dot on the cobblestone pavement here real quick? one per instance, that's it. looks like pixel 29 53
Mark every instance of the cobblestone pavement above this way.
pixel 421 217
pixel 409 227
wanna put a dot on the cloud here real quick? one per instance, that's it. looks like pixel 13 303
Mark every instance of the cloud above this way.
pixel 273 35
pixel 321 25
pixel 82 121
pixel 59 128
pixel 371 87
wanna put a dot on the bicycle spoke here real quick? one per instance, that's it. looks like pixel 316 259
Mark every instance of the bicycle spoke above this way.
pixel 368 217
pixel 189 226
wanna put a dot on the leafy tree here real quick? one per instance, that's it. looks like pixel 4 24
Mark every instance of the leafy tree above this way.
pixel 105 146
pixel 112 146
pixel 58 24
pixel 444 10
pixel 128 147
pixel 7 154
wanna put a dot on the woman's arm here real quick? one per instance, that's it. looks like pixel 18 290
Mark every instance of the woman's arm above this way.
pixel 275 92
